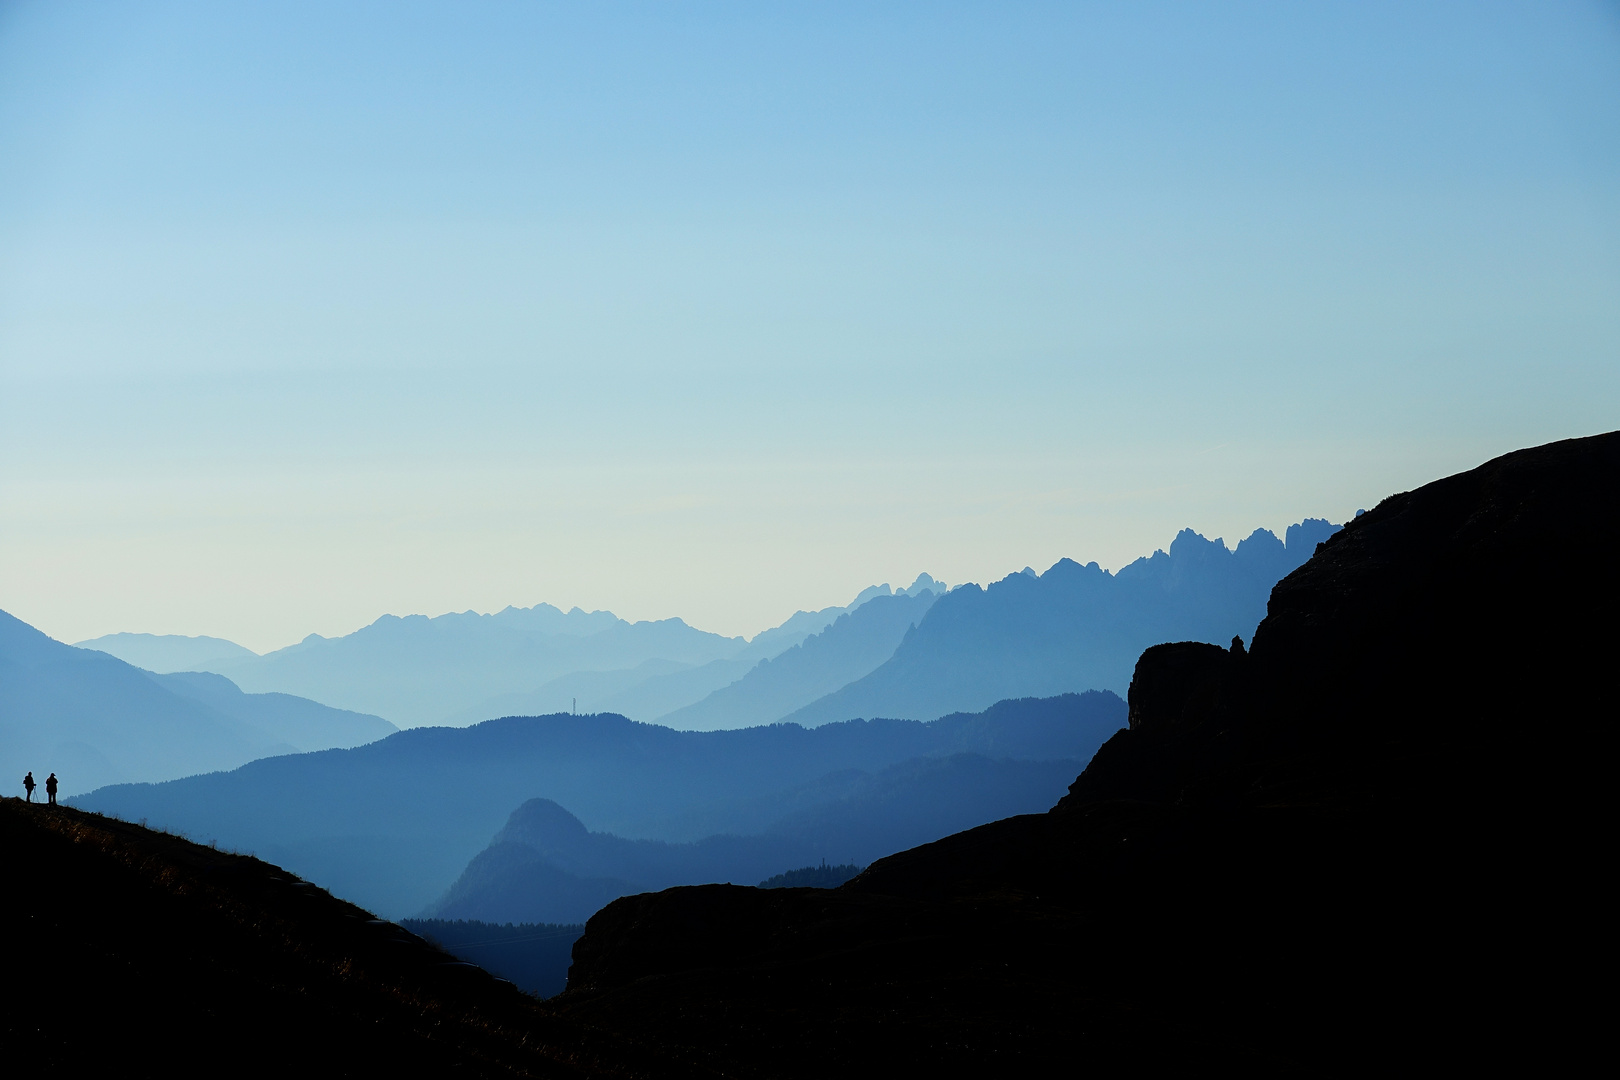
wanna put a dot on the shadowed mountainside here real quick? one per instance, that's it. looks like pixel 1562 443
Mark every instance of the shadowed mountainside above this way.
pixel 533 957
pixel 137 953
pixel 1072 628
pixel 1376 836
pixel 546 867
pixel 95 720
pixel 391 825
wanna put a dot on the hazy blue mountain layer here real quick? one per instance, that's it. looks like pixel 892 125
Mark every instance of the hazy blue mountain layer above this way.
pixel 302 724
pixel 164 653
pixel 466 667
pixel 1073 627
pixel 662 695
pixel 654 686
pixel 94 720
pixel 577 691
pixel 852 646
pixel 416 670
pixel 545 866
pixel 393 823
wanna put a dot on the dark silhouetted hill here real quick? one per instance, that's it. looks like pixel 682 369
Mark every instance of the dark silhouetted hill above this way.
pixel 392 824
pixel 1072 628
pixel 545 866
pixel 1374 839
pixel 135 953
pixel 95 720
pixel 852 646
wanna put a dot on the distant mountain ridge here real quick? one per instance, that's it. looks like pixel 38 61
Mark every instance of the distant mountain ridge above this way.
pixel 465 667
pixel 1073 627
pixel 167 653
pixel 855 644
pixel 420 670
pixel 392 824
pixel 95 720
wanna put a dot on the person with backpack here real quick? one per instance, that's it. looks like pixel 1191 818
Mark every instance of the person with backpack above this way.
pixel 50 788
pixel 28 786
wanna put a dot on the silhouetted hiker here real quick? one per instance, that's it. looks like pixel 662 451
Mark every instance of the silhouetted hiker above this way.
pixel 1237 646
pixel 50 788
pixel 28 786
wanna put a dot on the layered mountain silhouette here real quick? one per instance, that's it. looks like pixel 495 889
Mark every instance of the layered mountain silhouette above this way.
pixel 391 824
pixel 95 720
pixel 1374 836
pixel 1072 628
pixel 852 646
pixel 462 668
pixel 544 866
pixel 166 653
pixel 418 670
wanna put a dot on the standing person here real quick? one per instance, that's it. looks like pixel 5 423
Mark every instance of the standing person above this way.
pixel 28 786
pixel 50 788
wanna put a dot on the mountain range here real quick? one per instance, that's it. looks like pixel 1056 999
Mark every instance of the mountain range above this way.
pixel 392 824
pixel 1074 627
pixel 1374 835
pixel 461 668
pixel 94 720
pixel 917 653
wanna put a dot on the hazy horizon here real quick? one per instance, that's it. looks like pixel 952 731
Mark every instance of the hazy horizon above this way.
pixel 314 312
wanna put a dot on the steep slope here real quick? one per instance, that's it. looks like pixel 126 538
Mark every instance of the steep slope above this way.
pixel 95 720
pixel 546 867
pixel 848 649
pixel 1072 628
pixel 1374 837
pixel 391 824
pixel 142 954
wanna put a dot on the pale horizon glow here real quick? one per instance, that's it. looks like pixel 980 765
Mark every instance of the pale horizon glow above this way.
pixel 315 312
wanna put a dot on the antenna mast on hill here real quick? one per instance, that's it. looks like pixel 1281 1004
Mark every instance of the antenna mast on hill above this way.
pixel 575 709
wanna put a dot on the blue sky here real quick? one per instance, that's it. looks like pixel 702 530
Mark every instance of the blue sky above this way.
pixel 313 312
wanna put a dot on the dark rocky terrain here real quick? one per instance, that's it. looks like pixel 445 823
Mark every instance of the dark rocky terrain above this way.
pixel 1371 841
pixel 131 952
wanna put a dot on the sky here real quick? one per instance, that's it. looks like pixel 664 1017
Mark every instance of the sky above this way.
pixel 313 312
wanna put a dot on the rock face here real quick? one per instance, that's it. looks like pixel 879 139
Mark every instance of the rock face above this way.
pixel 1376 835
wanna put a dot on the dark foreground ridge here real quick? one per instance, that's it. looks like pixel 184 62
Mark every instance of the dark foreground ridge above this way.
pixel 134 952
pixel 1375 837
